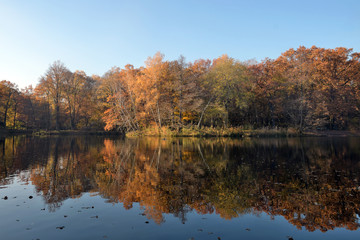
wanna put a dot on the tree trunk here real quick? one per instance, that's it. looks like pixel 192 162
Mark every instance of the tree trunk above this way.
pixel 203 111
pixel 15 108
pixel 158 115
pixel 57 117
pixel 6 110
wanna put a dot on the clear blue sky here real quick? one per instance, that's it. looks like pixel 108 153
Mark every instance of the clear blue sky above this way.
pixel 96 35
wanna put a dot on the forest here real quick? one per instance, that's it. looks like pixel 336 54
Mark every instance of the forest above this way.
pixel 303 89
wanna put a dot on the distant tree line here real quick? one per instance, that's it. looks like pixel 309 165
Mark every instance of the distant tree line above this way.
pixel 304 88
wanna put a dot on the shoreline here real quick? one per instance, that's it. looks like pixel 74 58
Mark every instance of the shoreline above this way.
pixel 202 133
pixel 10 132
pixel 276 133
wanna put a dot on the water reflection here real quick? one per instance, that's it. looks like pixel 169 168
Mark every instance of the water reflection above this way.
pixel 313 183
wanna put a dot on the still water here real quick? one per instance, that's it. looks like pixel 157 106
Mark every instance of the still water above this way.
pixel 183 188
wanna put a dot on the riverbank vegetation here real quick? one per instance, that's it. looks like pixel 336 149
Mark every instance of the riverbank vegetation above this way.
pixel 304 89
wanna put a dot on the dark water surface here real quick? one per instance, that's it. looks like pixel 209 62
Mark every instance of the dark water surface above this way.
pixel 183 188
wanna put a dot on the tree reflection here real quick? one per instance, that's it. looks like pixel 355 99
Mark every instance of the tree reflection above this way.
pixel 313 183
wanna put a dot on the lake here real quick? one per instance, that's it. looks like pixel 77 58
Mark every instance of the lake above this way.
pixel 96 187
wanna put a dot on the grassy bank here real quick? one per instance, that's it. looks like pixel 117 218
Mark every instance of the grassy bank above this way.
pixel 215 132
pixel 193 132
pixel 14 131
pixel 54 132
pixel 75 132
pixel 238 132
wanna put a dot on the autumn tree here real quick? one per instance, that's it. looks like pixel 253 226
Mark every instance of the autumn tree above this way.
pixel 117 91
pixel 8 100
pixel 78 94
pixel 230 89
pixel 307 88
pixel 197 71
pixel 186 92
pixel 28 108
pixel 337 75
pixel 151 88
pixel 295 71
pixel 51 86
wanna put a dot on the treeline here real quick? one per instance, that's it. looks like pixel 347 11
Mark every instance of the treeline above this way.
pixel 306 88
pixel 62 100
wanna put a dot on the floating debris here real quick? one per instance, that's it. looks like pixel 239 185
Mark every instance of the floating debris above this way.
pixel 247 229
pixel 5 198
pixel 95 216
pixel 200 230
pixel 147 222
pixel 65 216
pixel 61 228
pixel 30 197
